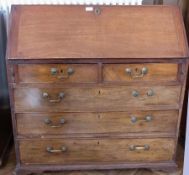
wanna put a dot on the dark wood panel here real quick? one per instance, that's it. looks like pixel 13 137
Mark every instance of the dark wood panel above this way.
pixel 5 116
pixel 5 134
pixel 185 104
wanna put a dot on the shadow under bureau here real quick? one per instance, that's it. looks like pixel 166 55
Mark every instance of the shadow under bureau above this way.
pixel 96 87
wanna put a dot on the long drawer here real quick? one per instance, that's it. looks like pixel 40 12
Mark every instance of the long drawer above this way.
pixel 89 123
pixel 74 151
pixel 94 99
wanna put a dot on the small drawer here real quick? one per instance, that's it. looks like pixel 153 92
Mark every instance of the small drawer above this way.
pixel 140 72
pixel 95 99
pixel 83 151
pixel 57 73
pixel 97 123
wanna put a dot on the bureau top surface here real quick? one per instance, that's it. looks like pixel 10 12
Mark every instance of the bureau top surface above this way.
pixel 51 32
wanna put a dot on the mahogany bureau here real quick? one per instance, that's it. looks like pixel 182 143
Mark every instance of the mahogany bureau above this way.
pixel 96 87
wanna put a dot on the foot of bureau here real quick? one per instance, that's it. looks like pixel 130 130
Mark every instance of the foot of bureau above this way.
pixel 20 172
pixel 26 171
pixel 170 169
pixel 30 169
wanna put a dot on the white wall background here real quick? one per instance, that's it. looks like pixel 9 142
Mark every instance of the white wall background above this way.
pixel 5 4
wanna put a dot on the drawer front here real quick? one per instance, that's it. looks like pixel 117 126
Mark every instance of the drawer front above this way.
pixel 59 73
pixel 96 123
pixel 94 99
pixel 140 72
pixel 81 151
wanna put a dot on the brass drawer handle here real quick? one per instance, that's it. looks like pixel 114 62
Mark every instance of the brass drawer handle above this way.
pixel 49 122
pixel 147 118
pixel 149 93
pixel 61 73
pixel 135 93
pixel 58 100
pixel 50 149
pixel 136 73
pixel 139 147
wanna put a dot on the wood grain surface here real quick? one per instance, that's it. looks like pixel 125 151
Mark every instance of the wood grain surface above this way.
pixel 82 73
pixel 119 32
pixel 94 99
pixel 9 167
pixel 82 151
pixel 155 72
pixel 96 123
